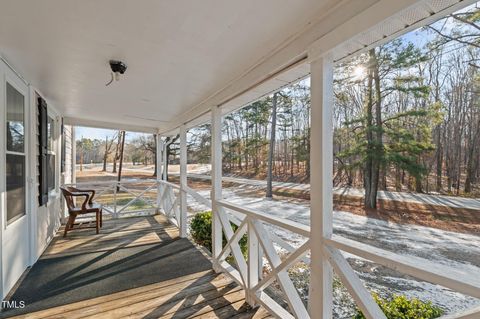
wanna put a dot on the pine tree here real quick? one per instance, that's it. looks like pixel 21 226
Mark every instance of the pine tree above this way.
pixel 380 138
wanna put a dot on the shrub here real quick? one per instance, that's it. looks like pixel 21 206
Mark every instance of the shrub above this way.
pixel 400 307
pixel 201 231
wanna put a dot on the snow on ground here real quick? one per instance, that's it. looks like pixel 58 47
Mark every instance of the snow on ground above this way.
pixel 455 250
pixel 426 199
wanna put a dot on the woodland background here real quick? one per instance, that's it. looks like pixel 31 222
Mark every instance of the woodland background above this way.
pixel 406 118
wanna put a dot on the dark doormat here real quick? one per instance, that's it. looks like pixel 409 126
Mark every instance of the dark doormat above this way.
pixel 58 281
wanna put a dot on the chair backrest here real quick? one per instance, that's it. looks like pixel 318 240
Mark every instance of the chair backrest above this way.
pixel 67 194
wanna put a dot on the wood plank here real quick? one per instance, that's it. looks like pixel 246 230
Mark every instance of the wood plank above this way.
pixel 258 313
pixel 207 307
pixel 80 306
pixel 173 300
pixel 227 311
pixel 187 307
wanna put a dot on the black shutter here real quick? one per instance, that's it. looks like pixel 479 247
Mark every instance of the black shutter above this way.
pixel 42 152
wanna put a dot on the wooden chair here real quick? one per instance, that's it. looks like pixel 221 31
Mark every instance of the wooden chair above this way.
pixel 88 206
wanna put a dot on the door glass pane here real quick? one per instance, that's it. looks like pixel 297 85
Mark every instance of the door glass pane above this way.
pixel 51 171
pixel 50 130
pixel 15 186
pixel 15 120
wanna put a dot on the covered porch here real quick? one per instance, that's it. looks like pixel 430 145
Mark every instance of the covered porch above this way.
pixel 138 267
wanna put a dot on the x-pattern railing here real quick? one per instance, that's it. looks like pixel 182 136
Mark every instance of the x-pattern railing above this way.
pixel 249 271
pixel 265 245
pixel 262 243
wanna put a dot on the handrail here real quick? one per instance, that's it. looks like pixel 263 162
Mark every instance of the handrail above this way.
pixel 415 266
pixel 291 225
pixel 168 184
pixel 127 181
pixel 199 198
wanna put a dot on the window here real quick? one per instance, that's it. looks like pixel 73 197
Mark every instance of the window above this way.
pixel 15 157
pixel 51 153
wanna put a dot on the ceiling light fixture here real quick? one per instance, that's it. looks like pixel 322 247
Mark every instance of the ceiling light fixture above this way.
pixel 118 68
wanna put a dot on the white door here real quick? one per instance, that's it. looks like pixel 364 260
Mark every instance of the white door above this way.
pixel 14 169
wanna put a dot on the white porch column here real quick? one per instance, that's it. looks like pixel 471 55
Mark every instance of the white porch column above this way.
pixel 74 156
pixel 216 160
pixel 159 157
pixel 253 265
pixel 321 192
pixel 183 181
pixel 164 161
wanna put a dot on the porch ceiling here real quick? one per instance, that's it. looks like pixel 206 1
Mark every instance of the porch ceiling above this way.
pixel 178 52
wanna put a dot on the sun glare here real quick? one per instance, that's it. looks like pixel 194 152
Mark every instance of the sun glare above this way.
pixel 359 72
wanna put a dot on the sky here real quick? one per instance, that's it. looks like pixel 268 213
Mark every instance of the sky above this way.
pixel 98 133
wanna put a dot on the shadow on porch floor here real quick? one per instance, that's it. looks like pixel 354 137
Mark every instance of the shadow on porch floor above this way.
pixel 136 267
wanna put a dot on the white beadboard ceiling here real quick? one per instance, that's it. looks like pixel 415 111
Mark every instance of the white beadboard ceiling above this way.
pixel 179 53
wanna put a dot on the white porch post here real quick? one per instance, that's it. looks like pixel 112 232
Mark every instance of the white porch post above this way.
pixel 183 181
pixel 74 156
pixel 159 150
pixel 216 160
pixel 253 264
pixel 164 161
pixel 321 192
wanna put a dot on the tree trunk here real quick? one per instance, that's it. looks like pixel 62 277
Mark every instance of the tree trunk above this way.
pixel 81 160
pixel 439 159
pixel 374 143
pixel 117 152
pixel 155 156
pixel 105 155
pixel 272 147
pixel 122 133
pixel 471 161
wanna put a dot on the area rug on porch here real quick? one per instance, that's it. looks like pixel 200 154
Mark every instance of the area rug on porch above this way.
pixel 62 280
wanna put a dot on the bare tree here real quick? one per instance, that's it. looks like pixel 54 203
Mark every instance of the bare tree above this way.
pixel 121 153
pixel 271 150
pixel 108 151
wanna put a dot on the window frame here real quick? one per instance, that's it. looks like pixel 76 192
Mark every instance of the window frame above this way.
pixel 51 151
pixel 52 114
pixel 12 82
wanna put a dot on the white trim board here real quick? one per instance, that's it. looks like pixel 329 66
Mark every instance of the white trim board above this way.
pixel 108 125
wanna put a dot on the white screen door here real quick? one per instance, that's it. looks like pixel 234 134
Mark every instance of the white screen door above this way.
pixel 14 109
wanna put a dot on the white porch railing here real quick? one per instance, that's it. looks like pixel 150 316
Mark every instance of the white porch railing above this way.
pixel 142 196
pixel 263 243
pixel 124 197
pixel 248 272
pixel 252 273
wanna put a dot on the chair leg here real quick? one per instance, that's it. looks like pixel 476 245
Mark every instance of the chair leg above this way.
pixel 101 218
pixel 97 221
pixel 74 216
pixel 67 225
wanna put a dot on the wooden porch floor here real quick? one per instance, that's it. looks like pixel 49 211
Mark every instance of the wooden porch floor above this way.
pixel 136 268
